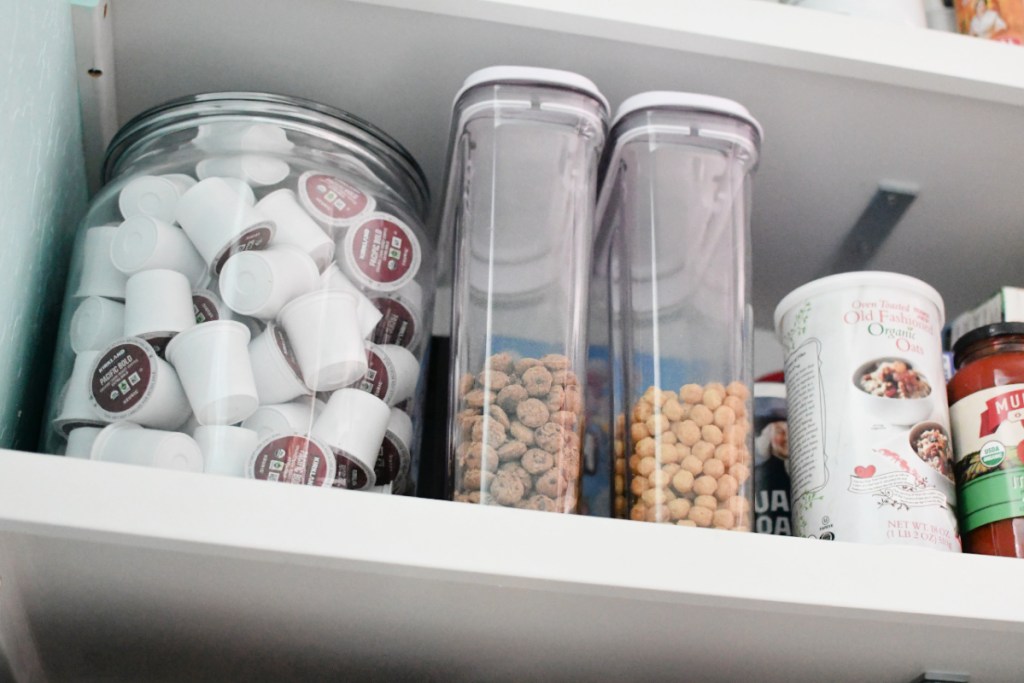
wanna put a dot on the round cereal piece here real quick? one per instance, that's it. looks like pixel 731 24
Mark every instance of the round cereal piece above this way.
pixel 715 386
pixel 638 432
pixel 467 422
pixel 682 481
pixel 736 404
pixel 511 450
pixel 712 434
pixel 687 431
pixel 461 498
pixel 646 447
pixel 659 514
pixel 693 465
pixel 654 497
pixel 738 389
pixel 478 398
pixel 499 415
pixel 620 465
pixel 656 396
pixel 726 452
pixel 573 399
pixel 679 508
pixel 550 437
pixel 555 361
pixel 735 434
pixel 524 364
pixel 686 522
pixel 669 453
pixel 700 516
pixel 481 456
pixel 642 412
pixel 532 413
pixel 638 513
pixel 658 479
pixel 668 437
pixel 511 396
pixel 691 393
pixel 727 487
pixel 634 462
pixel 619 446
pixel 521 433
pixel 556 399
pixel 620 507
pixel 740 471
pixel 682 451
pixel 547 483
pixel 536 461
pixel 466 384
pixel 705 485
pixel 673 410
pixel 564 418
pixel 619 484
pixel 713 467
pixel 738 505
pixel 702 450
pixel 491 431
pixel 709 502
pixel 461 450
pixel 713 398
pixel 476 497
pixel 647 465
pixel 701 415
pixel 657 423
pixel 743 455
pixel 502 362
pixel 541 503
pixel 537 381
pixel 723 519
pixel 637 485
pixel 670 469
pixel 724 416
pixel 476 480
pixel 519 471
pixel 565 378
pixel 507 489
pixel 492 380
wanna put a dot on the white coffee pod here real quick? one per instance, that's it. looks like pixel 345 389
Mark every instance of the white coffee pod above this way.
pixel 147 243
pixel 401 320
pixel 130 444
pixel 256 170
pixel 332 201
pixel 208 306
pixel 323 328
pixel 190 426
pixel 243 189
pixel 353 424
pixel 392 373
pixel 226 450
pixel 380 252
pixel 76 406
pixel 260 283
pixel 212 362
pixel 369 316
pixel 99 276
pixel 395 456
pixel 154 195
pixel 157 306
pixel 230 136
pixel 276 370
pixel 293 417
pixel 95 323
pixel 295 227
pixel 292 459
pixel 80 442
pixel 129 381
pixel 220 222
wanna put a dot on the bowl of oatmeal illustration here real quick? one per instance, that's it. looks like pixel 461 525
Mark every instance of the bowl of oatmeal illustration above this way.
pixel 893 390
pixel 931 442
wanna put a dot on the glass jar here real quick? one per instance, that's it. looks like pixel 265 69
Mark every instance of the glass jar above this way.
pixel 520 194
pixel 251 262
pixel 986 397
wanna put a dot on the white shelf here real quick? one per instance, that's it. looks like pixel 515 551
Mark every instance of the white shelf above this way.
pixel 122 572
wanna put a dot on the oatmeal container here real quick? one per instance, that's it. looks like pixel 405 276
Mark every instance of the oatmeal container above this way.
pixel 674 254
pixel 203 290
pixel 869 439
pixel 521 185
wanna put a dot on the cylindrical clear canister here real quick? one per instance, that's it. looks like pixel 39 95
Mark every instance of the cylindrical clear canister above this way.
pixel 524 153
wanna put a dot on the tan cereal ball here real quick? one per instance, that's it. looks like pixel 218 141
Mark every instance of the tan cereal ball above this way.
pixel 711 434
pixel 738 505
pixel 723 519
pixel 656 424
pixel 659 478
pixel 726 452
pixel 709 502
pixel 658 514
pixel 682 481
pixel 638 513
pixel 736 404
pixel 700 516
pixel 691 393
pixel 687 431
pixel 670 469
pixel 647 465
pixel 713 467
pixel 618 484
pixel 713 398
pixel 702 450
pixel 693 465
pixel 705 485
pixel 669 453
pixel 637 485
pixel 727 487
pixel 646 447
pixel 673 410
pixel 654 497
pixel 739 390
pixel 686 522
pixel 620 450
pixel 701 415
pixel 741 472
pixel 724 416
pixel 642 411
pixel 638 431
pixel 679 508
pixel 620 465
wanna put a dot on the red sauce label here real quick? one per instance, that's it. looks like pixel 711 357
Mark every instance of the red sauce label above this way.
pixel 293 460
pixel 253 239
pixel 397 324
pixel 349 473
pixel 122 378
pixel 331 199
pixel 384 251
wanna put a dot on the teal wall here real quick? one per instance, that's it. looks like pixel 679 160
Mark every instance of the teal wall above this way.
pixel 42 194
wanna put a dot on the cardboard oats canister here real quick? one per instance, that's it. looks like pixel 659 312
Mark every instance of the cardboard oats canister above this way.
pixel 867 407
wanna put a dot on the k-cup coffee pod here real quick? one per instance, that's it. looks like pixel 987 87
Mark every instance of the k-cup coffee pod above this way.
pixel 395 456
pixel 130 444
pixel 76 407
pixel 401 319
pixel 190 426
pixel 95 323
pixel 230 136
pixel 154 195
pixel 256 170
pixel 208 306
pixel 226 450
pixel 353 424
pixel 158 305
pixel 220 222
pixel 292 459
pixel 369 316
pixel 293 417
pixel 99 276
pixel 80 442
pixel 332 201
pixel 276 370
pixel 323 327
pixel 380 252
pixel 212 362
pixel 392 373
pixel 260 283
pixel 147 243
pixel 295 227
pixel 243 189
pixel 129 381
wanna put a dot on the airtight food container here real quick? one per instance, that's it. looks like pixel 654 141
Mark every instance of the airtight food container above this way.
pixel 869 442
pixel 245 254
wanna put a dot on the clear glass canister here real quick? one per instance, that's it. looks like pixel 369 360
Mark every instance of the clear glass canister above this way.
pixel 524 153
pixel 249 295
pixel 674 253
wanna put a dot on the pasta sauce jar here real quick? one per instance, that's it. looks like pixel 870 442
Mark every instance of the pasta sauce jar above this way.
pixel 986 397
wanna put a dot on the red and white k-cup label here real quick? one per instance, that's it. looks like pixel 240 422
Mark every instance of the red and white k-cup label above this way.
pixel 382 252
pixel 293 459
pixel 122 378
pixel 254 239
pixel 398 324
pixel 350 473
pixel 331 200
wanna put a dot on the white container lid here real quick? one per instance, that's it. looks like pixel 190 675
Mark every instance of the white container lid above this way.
pixel 532 75
pixel 664 99
pixel 863 278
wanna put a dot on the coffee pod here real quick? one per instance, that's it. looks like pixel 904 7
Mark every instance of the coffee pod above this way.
pixel 333 279
pixel 76 407
pixel 80 442
pixel 395 456
pixel 229 136
pixel 95 323
pixel 243 189
pixel 293 417
pixel 292 459
pixel 131 444
pixel 276 370
pixel 220 222
pixel 99 276
pixel 147 243
pixel 129 381
pixel 401 320
pixel 323 329
pixel 158 305
pixel 380 252
pixel 154 195
pixel 332 201
pixel 226 450
pixel 392 373
pixel 353 424
pixel 191 425
pixel 260 283
pixel 208 306
pixel 295 227
pixel 212 362
pixel 256 170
